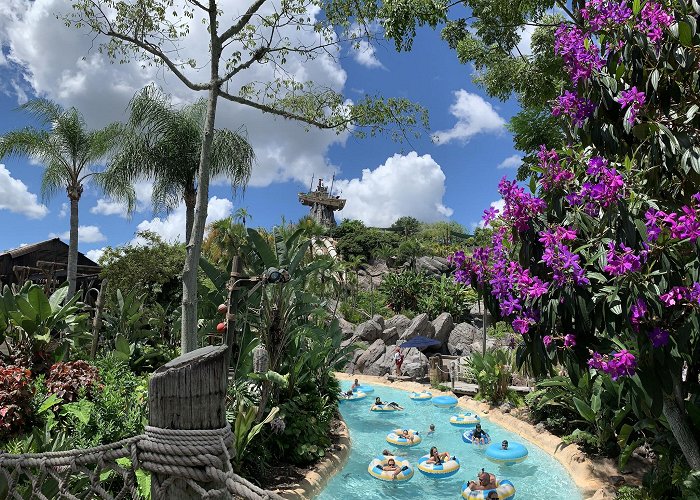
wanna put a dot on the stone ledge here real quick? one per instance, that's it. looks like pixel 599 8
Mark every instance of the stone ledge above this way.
pixel 591 476
pixel 317 478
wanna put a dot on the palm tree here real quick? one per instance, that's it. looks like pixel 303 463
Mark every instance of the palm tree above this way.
pixel 223 241
pixel 241 215
pixel 69 152
pixel 165 146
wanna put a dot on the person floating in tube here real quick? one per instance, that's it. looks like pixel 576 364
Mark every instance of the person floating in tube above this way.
pixel 487 481
pixel 378 402
pixel 478 436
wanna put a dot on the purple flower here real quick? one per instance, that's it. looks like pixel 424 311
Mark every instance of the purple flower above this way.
pixel 637 312
pixel 490 214
pixel 576 108
pixel 580 55
pixel 623 262
pixel 633 98
pixel 604 13
pixel 569 340
pixel 622 363
pixel 654 20
pixel 519 207
pixel 558 257
pixel 674 295
pixel 547 340
pixel 658 337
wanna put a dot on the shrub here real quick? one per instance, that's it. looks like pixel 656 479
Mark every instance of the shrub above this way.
pixel 402 289
pixel 15 399
pixel 67 380
pixel 444 295
pixel 493 372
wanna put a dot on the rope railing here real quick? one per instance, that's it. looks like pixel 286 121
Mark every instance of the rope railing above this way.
pixel 194 459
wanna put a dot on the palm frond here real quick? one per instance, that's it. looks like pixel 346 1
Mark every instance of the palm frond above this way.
pixel 233 156
pixel 53 180
pixel 44 110
pixel 115 185
pixel 25 142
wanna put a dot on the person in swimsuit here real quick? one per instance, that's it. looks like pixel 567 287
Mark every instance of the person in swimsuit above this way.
pixel 478 436
pixel 407 435
pixel 487 481
pixel 436 457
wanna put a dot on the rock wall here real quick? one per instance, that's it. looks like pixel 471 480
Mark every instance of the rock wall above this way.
pixel 380 337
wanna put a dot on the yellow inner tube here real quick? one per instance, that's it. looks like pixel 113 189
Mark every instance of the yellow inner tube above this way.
pixel 376 465
pixel 395 437
pixel 465 419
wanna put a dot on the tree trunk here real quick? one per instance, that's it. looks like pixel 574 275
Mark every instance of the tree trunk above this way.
pixel 190 203
pixel 188 332
pixel 675 415
pixel 97 322
pixel 72 269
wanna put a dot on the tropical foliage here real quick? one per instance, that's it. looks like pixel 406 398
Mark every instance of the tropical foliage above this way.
pixel 597 267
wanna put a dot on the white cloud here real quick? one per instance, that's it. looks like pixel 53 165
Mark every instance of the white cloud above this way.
pixel 511 162
pixel 15 197
pixel 172 227
pixel 64 210
pixel 19 92
pixel 498 205
pixel 474 116
pixel 63 64
pixel 524 47
pixel 95 254
pixel 107 206
pixel 404 185
pixel 86 234
pixel 366 55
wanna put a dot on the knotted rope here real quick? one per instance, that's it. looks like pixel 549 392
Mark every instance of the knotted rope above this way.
pixel 196 459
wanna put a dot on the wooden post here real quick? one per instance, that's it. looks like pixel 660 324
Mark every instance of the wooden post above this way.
pixel 97 322
pixel 189 392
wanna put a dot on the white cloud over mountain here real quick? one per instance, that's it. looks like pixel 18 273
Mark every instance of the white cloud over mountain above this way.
pixel 404 185
pixel 474 116
pixel 15 197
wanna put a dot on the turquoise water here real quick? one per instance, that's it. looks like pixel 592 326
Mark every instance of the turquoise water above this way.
pixel 539 477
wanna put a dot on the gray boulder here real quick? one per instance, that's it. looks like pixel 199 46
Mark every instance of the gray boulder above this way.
pixel 461 338
pixel 383 364
pixel 415 363
pixel 370 330
pixel 478 345
pixel 443 325
pixel 368 357
pixel 350 340
pixel 420 325
pixel 351 365
pixel 433 265
pixel 400 322
pixel 390 335
pixel 379 319
pixel 347 328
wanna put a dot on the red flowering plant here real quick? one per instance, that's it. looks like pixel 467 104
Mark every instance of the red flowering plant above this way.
pixel 70 380
pixel 15 399
pixel 598 266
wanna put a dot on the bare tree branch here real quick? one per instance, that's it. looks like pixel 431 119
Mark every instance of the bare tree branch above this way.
pixel 242 22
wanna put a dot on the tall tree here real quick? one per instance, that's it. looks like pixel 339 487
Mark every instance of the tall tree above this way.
pixel 70 153
pixel 164 144
pixel 152 31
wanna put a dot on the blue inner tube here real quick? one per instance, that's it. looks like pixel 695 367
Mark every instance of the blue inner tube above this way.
pixel 468 437
pixel 444 401
pixel 515 453
pixel 364 388
pixel 448 468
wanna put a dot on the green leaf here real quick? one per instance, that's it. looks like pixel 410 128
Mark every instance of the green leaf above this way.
pixel 636 7
pixel 58 297
pixel 80 409
pixel 123 349
pixel 654 79
pixel 685 33
pixel 271 376
pixel 37 298
pixel 49 402
pixel 584 410
pixel 262 248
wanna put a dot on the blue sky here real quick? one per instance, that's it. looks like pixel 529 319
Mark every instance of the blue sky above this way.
pixel 454 178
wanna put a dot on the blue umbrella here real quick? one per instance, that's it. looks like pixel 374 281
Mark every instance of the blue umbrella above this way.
pixel 420 343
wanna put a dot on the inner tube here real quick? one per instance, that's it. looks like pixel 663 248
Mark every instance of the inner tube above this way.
pixel 445 401
pixel 375 469
pixel 439 471
pixel 364 388
pixel 515 453
pixel 465 419
pixel 468 437
pixel 383 408
pixel 395 438
pixel 420 396
pixel 504 488
pixel 355 396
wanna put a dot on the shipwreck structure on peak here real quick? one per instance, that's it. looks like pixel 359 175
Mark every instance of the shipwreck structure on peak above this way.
pixel 322 203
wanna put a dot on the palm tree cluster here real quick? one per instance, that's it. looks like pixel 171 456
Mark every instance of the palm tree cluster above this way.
pixel 159 142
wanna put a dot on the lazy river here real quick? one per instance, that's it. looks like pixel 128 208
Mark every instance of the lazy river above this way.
pixel 539 477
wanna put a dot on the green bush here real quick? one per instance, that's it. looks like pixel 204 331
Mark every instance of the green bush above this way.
pixel 493 372
pixel 403 289
pixel 444 295
pixel 366 305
